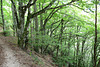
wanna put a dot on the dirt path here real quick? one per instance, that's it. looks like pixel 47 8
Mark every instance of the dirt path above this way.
pixel 1 56
pixel 12 56
pixel 9 59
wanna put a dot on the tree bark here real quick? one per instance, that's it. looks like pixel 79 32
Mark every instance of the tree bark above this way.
pixel 41 27
pixel 14 21
pixel 36 29
pixel 61 33
pixel 82 53
pixel 27 32
pixel 3 18
pixel 95 44
pixel 77 53
pixel 20 29
pixel 98 65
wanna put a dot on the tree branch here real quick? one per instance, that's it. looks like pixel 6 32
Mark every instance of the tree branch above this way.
pixel 61 5
pixel 80 8
pixel 43 10
pixel 29 4
pixel 48 8
pixel 49 17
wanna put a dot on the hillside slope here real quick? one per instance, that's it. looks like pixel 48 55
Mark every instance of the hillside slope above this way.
pixel 13 56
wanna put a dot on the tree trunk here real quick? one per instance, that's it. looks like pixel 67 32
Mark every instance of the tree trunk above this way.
pixel 36 47
pixel 14 22
pixel 3 18
pixel 41 27
pixel 61 32
pixel 95 44
pixel 20 29
pixel 27 32
pixel 69 43
pixel 82 53
pixel 98 65
pixel 77 52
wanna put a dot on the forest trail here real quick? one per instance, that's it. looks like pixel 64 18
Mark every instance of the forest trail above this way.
pixel 9 59
pixel 13 56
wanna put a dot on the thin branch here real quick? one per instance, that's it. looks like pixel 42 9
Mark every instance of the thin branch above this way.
pixel 50 16
pixel 29 4
pixel 61 5
pixel 80 8
pixel 54 29
pixel 43 10
pixel 55 22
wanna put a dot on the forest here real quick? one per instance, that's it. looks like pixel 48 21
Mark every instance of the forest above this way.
pixel 67 30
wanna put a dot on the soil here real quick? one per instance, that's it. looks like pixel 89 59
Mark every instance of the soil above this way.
pixel 1 56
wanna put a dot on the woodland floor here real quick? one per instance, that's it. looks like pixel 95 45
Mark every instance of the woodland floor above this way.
pixel 12 56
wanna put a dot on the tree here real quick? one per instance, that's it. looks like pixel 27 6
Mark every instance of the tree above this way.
pixel 95 44
pixel 14 21
pixel 3 18
pixel 22 11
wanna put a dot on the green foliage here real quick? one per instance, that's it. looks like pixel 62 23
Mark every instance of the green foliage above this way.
pixel 37 60
pixel 63 61
pixel 8 33
pixel 78 24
